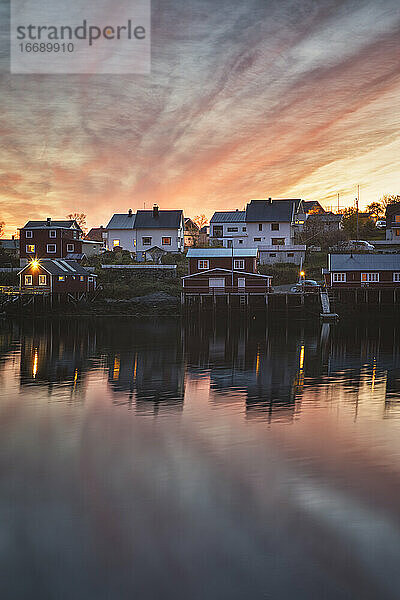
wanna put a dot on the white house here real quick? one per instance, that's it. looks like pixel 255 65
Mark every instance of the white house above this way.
pixel 148 233
pixel 268 225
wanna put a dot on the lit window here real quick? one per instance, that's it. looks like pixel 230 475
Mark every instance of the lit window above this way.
pixel 396 277
pixel 238 264
pixel 81 278
pixel 369 277
pixel 274 226
pixel 52 233
pixel 70 247
pixel 260 227
pixel 146 241
pixel 290 254
pixel 42 279
pixel 30 248
pixel 339 277
pixel 203 264
pixel 243 228
pixel 166 241
pixel 397 232
pixel 257 239
pixel 29 234
pixel 397 218
pixel 28 279
pixel 61 278
pixel 51 248
pixel 116 243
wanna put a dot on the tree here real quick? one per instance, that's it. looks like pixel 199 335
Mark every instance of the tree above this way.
pixel 376 209
pixel 80 218
pixel 2 228
pixel 201 221
pixel 389 199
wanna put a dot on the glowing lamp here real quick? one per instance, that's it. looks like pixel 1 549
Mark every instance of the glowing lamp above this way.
pixel 302 274
pixel 34 264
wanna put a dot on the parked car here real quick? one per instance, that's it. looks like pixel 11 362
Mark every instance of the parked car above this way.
pixel 380 224
pixel 360 245
pixel 308 285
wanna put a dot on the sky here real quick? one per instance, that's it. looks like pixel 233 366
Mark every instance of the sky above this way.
pixel 245 100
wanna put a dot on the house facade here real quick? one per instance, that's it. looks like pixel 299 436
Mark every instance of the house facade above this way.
pixel 362 270
pixel 49 239
pixel 56 277
pixel 119 232
pixel 191 234
pixel 237 259
pixel 228 228
pixel 225 282
pixel 393 222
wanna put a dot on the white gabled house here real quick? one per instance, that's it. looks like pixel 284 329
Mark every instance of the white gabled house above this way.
pixel 148 233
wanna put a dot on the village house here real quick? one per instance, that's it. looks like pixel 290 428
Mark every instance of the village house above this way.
pixel 10 246
pixel 192 233
pixel 148 234
pixel 393 222
pixel 97 234
pixel 238 259
pixel 49 239
pixel 56 277
pixel 268 225
pixel 362 270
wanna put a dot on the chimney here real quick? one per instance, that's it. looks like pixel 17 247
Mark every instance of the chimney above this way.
pixel 155 211
pixel 130 212
pixel 269 201
pixel 48 222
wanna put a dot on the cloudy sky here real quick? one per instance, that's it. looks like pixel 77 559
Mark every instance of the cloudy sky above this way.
pixel 283 98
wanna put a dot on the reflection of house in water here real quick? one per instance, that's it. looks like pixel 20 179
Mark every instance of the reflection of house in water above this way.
pixel 56 353
pixel 262 366
pixel 152 374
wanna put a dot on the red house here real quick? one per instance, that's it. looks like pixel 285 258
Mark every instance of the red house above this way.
pixel 204 259
pixel 225 282
pixel 56 277
pixel 363 270
pixel 49 239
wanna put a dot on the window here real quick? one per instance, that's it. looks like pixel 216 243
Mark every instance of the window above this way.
pixel 146 241
pixel 339 277
pixel 278 241
pixel 81 278
pixel 203 264
pixel 397 219
pixel 274 226
pixel 70 247
pixel 272 255
pixel 244 228
pixel 218 231
pixel 51 248
pixel 241 282
pixel 231 229
pixel 75 235
pixel 166 241
pixel 238 264
pixel 134 243
pixel 240 241
pixel 90 278
pixel 397 231
pixel 290 254
pixel 29 234
pixel 61 278
pixel 52 233
pixel 396 277
pixel 28 279
pixel 116 243
pixel 260 227
pixel 30 248
pixel 257 239
pixel 216 282
pixel 42 279
pixel 369 277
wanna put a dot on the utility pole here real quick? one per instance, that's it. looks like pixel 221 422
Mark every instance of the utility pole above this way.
pixel 357 203
pixel 338 205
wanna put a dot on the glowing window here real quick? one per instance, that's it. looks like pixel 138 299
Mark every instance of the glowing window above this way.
pixel 369 277
pixel 116 243
pixel 339 277
pixel 30 248
pixel 28 279
pixel 166 241
pixel 61 278
pixel 203 264
pixel 42 279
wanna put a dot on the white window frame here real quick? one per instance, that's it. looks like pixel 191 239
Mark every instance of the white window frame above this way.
pixel 167 237
pixel 70 247
pixel 30 251
pixel 29 234
pixel 212 282
pixel 42 279
pixel 238 263
pixel 51 251
pixel 241 282
pixel 90 278
pixel 116 243
pixel 146 237
pixel 203 264
pixel 370 277
pixel 61 278
pixel 339 278
pixel 52 233
pixel 396 277
pixel 28 280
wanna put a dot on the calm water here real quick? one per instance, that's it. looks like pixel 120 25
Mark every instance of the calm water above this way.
pixel 150 460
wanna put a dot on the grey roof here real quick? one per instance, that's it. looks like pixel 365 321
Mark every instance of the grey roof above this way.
pixel 232 216
pixel 70 224
pixel 275 210
pixel 61 267
pixel 364 262
pixel 75 256
pixel 122 221
pixel 9 244
pixel 310 204
pixel 166 219
pixel 325 217
pixel 222 252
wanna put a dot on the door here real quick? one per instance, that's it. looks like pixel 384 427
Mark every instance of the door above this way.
pixel 241 282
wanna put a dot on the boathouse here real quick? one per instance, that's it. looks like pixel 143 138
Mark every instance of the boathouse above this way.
pixel 50 276
pixel 233 259
pixel 225 282
pixel 362 270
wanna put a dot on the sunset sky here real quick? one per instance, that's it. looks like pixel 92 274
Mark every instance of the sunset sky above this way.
pixel 246 99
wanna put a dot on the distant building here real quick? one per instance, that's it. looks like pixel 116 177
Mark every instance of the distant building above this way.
pixel 326 221
pixel 192 233
pixel 56 277
pixel 97 234
pixel 393 222
pixel 49 239
pixel 228 228
pixel 119 232
pixel 10 246
pixel 363 270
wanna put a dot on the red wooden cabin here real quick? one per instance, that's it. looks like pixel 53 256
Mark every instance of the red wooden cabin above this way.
pixel 56 277
pixel 49 239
